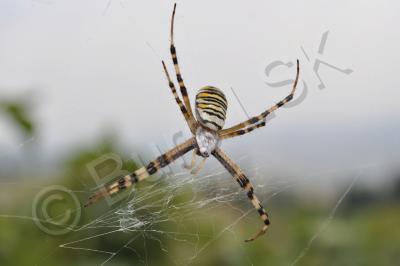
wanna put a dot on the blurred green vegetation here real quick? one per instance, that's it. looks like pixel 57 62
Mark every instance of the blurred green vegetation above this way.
pixel 364 231
pixel 18 112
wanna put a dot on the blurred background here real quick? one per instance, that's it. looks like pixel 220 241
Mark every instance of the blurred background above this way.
pixel 83 99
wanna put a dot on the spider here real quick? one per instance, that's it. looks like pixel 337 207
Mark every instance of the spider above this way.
pixel 207 130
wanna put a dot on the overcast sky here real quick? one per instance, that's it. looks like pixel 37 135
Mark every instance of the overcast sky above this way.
pixel 92 66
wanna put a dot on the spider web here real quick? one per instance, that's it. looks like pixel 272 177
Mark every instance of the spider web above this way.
pixel 144 216
pixel 148 214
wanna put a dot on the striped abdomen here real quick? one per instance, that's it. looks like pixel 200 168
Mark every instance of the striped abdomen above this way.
pixel 211 107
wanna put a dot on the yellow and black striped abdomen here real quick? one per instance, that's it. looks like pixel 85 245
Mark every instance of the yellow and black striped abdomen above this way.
pixel 211 106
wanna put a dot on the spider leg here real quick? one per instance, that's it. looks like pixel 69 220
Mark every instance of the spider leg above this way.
pixel 193 162
pixel 144 172
pixel 243 131
pixel 263 115
pixel 177 69
pixel 191 123
pixel 195 170
pixel 244 182
pixel 200 166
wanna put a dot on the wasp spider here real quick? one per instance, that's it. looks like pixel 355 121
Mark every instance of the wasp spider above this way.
pixel 206 126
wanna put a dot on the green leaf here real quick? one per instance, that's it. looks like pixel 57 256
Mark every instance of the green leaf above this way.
pixel 18 113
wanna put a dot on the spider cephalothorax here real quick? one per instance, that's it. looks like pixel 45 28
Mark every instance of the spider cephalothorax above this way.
pixel 210 109
pixel 207 141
